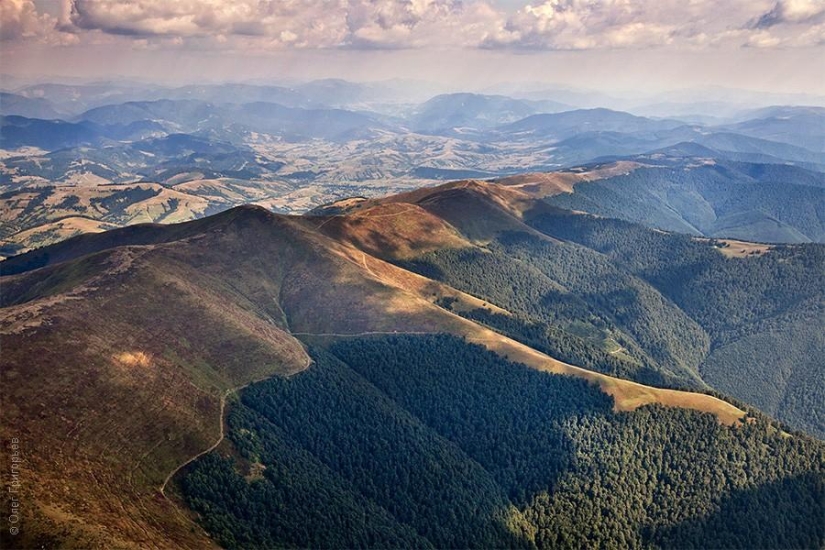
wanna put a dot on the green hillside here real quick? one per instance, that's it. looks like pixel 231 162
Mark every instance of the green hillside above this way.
pixel 576 292
pixel 755 202
pixel 404 441
pixel 764 312
pixel 124 350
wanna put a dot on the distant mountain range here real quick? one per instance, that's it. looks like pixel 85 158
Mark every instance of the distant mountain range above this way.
pixel 686 188
pixel 293 148
pixel 452 112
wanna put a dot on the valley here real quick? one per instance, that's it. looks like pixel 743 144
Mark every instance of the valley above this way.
pixel 170 155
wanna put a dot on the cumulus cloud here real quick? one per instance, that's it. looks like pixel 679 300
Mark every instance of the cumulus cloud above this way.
pixel 585 24
pixel 789 23
pixel 217 18
pixel 293 23
pixel 19 19
pixel 792 12
pixel 611 24
pixel 418 23
pixel 400 24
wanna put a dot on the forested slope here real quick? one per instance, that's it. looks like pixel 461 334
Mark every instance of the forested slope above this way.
pixel 660 308
pixel 711 197
pixel 403 441
pixel 575 294
pixel 764 312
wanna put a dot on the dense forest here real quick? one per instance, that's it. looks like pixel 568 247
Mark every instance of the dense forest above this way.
pixel 428 441
pixel 755 202
pixel 659 308
pixel 763 313
pixel 575 292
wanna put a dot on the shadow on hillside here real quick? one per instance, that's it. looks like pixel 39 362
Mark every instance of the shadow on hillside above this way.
pixel 775 515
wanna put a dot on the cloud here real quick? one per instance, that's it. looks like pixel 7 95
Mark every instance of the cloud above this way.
pixel 266 25
pixel 789 23
pixel 291 23
pixel 415 23
pixel 195 18
pixel 587 24
pixel 686 24
pixel 21 22
pixel 793 12
pixel 19 19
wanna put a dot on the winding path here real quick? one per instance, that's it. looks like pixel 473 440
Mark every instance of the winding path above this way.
pixel 209 450
pixel 230 391
pixel 371 333
pixel 214 446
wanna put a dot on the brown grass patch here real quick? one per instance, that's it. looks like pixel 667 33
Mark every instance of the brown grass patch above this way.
pixel 393 231
pixel 742 249
pixel 628 395
pixel 134 359
pixel 541 185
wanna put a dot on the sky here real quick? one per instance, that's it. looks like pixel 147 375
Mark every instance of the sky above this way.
pixel 610 45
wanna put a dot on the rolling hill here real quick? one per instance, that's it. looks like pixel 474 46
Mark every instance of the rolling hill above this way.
pixel 192 116
pixel 14 104
pixel 563 125
pixel 419 334
pixel 450 111
pixel 19 131
pixel 683 189
pixel 797 125
pixel 73 99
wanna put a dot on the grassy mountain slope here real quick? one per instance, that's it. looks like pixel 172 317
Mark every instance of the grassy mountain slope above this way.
pixel 393 231
pixel 113 369
pixel 37 216
pixel 139 332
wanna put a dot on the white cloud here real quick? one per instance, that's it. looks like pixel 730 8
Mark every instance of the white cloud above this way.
pixel 20 20
pixel 294 23
pixel 690 24
pixel 317 21
pixel 263 25
pixel 585 24
pixel 790 23
pixel 793 12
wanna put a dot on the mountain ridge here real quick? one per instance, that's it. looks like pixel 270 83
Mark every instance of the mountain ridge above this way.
pixel 242 285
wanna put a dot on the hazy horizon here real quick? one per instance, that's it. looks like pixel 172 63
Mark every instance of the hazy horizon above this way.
pixel 611 46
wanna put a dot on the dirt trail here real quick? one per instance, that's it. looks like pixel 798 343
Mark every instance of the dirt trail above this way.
pixel 230 391
pixel 371 333
pixel 222 434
